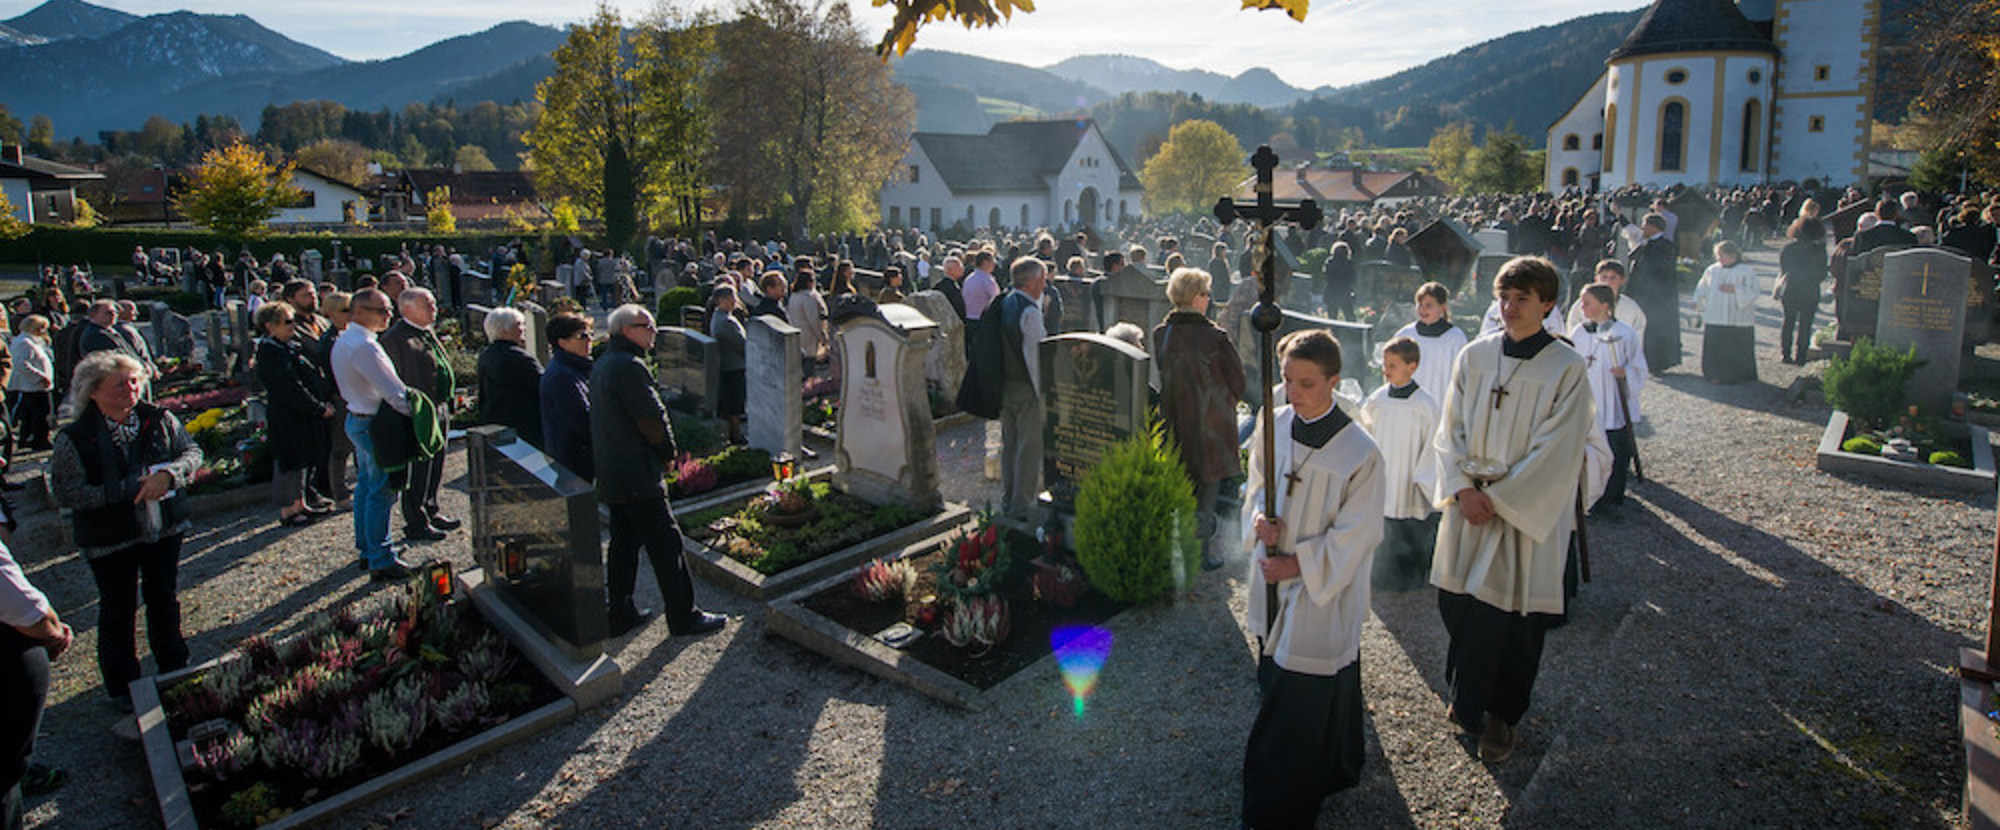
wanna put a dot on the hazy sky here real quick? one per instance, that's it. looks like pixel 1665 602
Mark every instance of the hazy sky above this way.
pixel 1341 42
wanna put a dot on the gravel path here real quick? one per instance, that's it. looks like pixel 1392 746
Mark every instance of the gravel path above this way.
pixel 1764 645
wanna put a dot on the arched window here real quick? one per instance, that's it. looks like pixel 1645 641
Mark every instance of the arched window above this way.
pixel 993 218
pixel 1569 177
pixel 1753 133
pixel 1571 142
pixel 1610 135
pixel 1673 136
pixel 1024 214
pixel 1597 142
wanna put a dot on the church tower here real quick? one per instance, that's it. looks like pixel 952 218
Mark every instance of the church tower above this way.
pixel 1826 89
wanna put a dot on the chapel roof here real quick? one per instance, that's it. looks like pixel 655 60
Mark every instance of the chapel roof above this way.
pixel 1692 26
pixel 1014 155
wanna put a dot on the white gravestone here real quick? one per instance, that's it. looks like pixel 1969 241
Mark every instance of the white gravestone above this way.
pixel 886 449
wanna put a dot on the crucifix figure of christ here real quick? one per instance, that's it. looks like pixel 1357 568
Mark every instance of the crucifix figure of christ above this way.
pixel 1265 317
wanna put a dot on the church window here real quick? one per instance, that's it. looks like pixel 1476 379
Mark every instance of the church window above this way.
pixel 1822 72
pixel 1753 131
pixel 1571 142
pixel 937 217
pixel 895 216
pixel 993 218
pixel 1610 134
pixel 1569 177
pixel 1756 76
pixel 1673 135
pixel 1816 124
pixel 1677 76
pixel 1597 141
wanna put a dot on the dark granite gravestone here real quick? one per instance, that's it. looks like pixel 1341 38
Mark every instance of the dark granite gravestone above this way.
pixel 242 339
pixel 886 449
pixel 1094 394
pixel 1378 283
pixel 1845 221
pixel 1978 304
pixel 689 367
pixel 1446 251
pixel 535 535
pixel 1357 351
pixel 1861 294
pixel 944 366
pixel 1922 306
pixel 311 266
pixel 1133 296
pixel 772 371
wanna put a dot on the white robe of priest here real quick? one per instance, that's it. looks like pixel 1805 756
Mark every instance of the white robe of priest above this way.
pixel 1333 521
pixel 1539 429
pixel 1436 354
pixel 1403 428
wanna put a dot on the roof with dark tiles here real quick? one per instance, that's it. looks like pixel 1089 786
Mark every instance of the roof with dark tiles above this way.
pixel 1692 26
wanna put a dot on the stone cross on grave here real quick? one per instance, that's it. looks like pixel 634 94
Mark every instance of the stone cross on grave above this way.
pixel 1266 316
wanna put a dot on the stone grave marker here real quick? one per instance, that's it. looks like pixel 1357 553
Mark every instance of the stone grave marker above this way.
pixel 1082 310
pixel 1492 241
pixel 689 367
pixel 1380 282
pixel 1133 296
pixel 312 265
pixel 772 368
pixel 1922 306
pixel 243 337
pixel 1357 351
pixel 473 318
pixel 944 367
pixel 535 536
pixel 173 333
pixel 536 330
pixel 214 357
pixel 886 449
pixel 1860 294
pixel 1094 394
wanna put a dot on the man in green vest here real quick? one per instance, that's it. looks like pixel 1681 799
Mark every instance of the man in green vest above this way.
pixel 422 365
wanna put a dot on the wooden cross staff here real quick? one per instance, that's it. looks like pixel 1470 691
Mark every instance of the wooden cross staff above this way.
pixel 1267 213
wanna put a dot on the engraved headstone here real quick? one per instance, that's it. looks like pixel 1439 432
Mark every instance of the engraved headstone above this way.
pixel 242 338
pixel 1133 296
pixel 1094 394
pixel 1923 303
pixel 689 366
pixel 312 266
pixel 1357 351
pixel 944 367
pixel 887 447
pixel 535 536
pixel 1861 294
pixel 1378 283
pixel 772 368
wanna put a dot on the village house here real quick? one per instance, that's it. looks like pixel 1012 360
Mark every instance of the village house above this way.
pixel 1021 174
pixel 40 190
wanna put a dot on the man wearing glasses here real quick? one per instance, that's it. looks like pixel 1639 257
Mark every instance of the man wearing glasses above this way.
pixel 632 445
pixel 368 382
pixel 421 363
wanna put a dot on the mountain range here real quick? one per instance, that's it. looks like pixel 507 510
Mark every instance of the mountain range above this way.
pixel 91 69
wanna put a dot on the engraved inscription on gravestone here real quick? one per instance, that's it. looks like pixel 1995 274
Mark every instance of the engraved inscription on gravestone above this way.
pixel 1094 394
pixel 1923 304
pixel 1861 294
pixel 689 367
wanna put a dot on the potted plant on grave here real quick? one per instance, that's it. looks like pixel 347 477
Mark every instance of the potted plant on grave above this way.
pixel 789 503
pixel 1135 520
pixel 975 617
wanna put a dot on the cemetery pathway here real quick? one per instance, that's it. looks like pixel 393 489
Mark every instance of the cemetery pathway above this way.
pixel 1763 645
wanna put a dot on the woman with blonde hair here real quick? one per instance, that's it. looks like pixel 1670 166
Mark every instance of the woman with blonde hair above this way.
pixel 31 385
pixel 1201 379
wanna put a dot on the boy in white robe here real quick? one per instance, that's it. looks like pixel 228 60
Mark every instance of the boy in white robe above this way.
pixel 1307 740
pixel 1436 336
pixel 1517 415
pixel 1614 353
pixel 1611 272
pixel 1402 417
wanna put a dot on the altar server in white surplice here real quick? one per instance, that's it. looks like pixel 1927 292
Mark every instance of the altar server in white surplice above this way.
pixel 1616 357
pixel 1306 742
pixel 1440 340
pixel 1519 406
pixel 1402 417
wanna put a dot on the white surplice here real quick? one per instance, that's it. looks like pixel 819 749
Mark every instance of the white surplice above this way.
pixel 1403 428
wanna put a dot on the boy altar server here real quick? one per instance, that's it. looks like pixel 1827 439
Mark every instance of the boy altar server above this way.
pixel 1510 459
pixel 1615 354
pixel 1306 742
pixel 1402 417
pixel 1436 336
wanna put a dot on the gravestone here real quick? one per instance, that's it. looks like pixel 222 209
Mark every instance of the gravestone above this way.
pixel 1082 302
pixel 1492 241
pixel 1357 351
pixel 944 367
pixel 1094 394
pixel 1133 296
pixel 536 330
pixel 772 368
pixel 243 338
pixel 215 351
pixel 535 536
pixel 689 367
pixel 1923 305
pixel 1446 251
pixel 312 266
pixel 1378 283
pixel 886 449
pixel 1860 291
pixel 474 316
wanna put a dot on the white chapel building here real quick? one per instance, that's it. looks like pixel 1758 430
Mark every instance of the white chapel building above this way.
pixel 1021 174
pixel 1707 92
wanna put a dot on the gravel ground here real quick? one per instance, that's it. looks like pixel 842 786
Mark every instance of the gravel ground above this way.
pixel 1764 646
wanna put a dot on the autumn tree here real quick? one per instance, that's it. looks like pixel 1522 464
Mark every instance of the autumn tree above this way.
pixel 1448 150
pixel 586 103
pixel 1956 61
pixel 670 54
pixel 1502 164
pixel 41 135
pixel 234 191
pixel 11 226
pixel 343 160
pixel 814 124
pixel 1199 163
pixel 437 211
pixel 472 158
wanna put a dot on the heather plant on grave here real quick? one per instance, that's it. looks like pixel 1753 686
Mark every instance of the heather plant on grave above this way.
pixel 1867 384
pixel 1135 520
pixel 882 581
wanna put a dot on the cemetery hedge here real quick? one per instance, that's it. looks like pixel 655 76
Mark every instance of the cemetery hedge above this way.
pixel 112 247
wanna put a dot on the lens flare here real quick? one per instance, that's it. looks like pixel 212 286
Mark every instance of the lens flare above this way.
pixel 1080 652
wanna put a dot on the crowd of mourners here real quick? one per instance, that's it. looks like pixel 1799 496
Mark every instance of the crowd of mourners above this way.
pixel 1442 477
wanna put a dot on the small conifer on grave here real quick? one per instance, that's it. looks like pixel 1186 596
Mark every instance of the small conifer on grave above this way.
pixel 1867 384
pixel 1135 520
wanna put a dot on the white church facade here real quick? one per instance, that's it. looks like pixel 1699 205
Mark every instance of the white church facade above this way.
pixel 1704 92
pixel 1020 174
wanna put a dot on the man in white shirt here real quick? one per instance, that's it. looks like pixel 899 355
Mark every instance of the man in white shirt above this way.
pixel 368 381
pixel 1020 397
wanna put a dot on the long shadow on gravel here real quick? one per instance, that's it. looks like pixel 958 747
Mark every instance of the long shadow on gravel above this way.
pixel 1753 686
pixel 1759 396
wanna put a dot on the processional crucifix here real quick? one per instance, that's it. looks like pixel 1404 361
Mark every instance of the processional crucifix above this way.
pixel 1267 213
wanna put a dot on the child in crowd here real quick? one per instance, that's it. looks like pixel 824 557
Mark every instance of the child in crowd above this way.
pixel 1616 359
pixel 1436 337
pixel 1402 417
pixel 1306 742
pixel 1611 272
pixel 1727 297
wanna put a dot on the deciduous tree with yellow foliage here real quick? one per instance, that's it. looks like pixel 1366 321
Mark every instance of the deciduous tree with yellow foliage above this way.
pixel 1199 163
pixel 235 190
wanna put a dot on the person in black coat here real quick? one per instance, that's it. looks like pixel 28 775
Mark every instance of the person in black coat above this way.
pixel 296 410
pixel 510 378
pixel 1886 232
pixel 422 364
pixel 1654 283
pixel 1339 283
pixel 1802 267
pixel 565 395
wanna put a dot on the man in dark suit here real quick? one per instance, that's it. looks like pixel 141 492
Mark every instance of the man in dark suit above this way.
pixel 1887 232
pixel 948 284
pixel 1654 282
pixel 422 365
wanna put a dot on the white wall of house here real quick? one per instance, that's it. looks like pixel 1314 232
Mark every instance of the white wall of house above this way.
pixel 324 205
pixel 1585 123
pixel 917 196
pixel 1714 88
pixel 1090 175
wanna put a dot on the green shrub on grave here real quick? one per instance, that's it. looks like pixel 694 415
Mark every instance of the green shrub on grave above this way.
pixel 671 303
pixel 1861 445
pixel 1867 384
pixel 1134 511
pixel 1947 458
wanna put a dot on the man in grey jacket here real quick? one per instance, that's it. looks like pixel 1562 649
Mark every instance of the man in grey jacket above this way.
pixel 632 445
